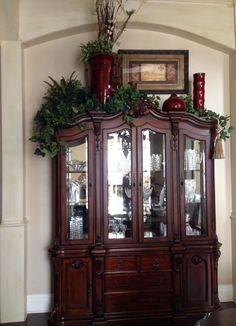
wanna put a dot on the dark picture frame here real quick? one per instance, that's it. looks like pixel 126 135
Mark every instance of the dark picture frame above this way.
pixel 156 71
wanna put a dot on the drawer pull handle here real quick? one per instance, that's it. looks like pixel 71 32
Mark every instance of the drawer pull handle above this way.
pixel 77 264
pixel 155 263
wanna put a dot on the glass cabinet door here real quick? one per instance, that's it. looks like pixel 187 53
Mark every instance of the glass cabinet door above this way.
pixel 77 190
pixel 195 187
pixel 119 190
pixel 154 184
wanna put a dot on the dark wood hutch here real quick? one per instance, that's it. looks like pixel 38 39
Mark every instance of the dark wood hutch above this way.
pixel 135 239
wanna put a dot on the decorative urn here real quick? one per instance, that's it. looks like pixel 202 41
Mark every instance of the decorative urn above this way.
pixel 174 103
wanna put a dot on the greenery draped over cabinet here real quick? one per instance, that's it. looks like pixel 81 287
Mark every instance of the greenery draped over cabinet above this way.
pixel 66 99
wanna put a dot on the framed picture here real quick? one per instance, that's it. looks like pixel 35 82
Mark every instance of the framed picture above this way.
pixel 155 71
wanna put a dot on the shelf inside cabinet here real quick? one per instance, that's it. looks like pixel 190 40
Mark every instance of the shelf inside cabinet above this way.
pixel 82 172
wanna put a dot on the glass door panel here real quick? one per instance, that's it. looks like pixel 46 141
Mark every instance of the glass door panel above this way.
pixel 119 185
pixel 195 187
pixel 77 190
pixel 154 184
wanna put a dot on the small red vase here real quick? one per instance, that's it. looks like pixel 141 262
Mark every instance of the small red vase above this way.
pixel 174 103
pixel 101 65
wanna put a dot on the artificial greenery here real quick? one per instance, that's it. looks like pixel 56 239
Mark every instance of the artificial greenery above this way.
pixel 66 99
pixel 224 128
pixel 62 101
pixel 100 46
pixel 131 102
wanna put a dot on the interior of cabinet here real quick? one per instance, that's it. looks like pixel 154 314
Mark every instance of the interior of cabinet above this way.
pixel 77 190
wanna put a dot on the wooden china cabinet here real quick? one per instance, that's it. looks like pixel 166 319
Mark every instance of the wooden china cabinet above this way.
pixel 135 223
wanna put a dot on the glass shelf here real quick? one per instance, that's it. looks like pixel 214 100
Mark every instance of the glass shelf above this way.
pixel 82 172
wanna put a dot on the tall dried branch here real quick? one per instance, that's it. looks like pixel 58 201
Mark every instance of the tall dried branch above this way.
pixel 108 13
pixel 123 26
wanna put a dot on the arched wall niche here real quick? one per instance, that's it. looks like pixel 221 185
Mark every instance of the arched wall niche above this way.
pixel 58 55
pixel 210 19
pixel 169 30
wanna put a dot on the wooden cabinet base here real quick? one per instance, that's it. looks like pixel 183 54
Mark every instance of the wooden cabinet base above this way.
pixel 141 321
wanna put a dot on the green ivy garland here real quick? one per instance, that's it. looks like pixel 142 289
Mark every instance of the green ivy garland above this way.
pixel 224 128
pixel 66 99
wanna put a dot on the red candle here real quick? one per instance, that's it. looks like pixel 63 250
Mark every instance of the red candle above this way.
pixel 199 90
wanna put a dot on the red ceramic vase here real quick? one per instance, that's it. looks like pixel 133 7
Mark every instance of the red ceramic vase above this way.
pixel 101 65
pixel 174 103
pixel 199 90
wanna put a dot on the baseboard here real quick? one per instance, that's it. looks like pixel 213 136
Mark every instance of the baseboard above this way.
pixel 39 303
pixel 225 292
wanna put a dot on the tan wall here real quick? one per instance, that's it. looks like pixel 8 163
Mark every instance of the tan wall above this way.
pixel 233 153
pixel 59 58
pixel 56 59
pixel 9 20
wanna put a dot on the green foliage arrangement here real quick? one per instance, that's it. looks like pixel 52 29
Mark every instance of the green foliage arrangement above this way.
pixel 100 46
pixel 66 99
pixel 223 121
pixel 109 12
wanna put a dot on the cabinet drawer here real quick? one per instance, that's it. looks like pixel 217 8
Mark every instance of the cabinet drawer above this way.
pixel 138 281
pixel 155 262
pixel 115 264
pixel 142 301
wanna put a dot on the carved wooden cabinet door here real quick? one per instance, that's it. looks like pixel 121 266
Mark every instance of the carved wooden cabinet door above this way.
pixel 198 285
pixel 197 215
pixel 120 184
pixel 155 176
pixel 76 286
pixel 76 187
pixel 137 182
pixel 197 193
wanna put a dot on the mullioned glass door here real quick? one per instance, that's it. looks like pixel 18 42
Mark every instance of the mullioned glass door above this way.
pixel 154 183
pixel 195 210
pixel 136 185
pixel 77 222
pixel 119 185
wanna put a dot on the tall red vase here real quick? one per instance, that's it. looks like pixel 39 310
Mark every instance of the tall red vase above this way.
pixel 101 65
pixel 199 90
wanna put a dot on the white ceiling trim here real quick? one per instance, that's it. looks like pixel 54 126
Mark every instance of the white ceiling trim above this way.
pixel 202 2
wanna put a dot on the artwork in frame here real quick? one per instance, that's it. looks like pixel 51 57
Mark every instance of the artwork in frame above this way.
pixel 156 71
